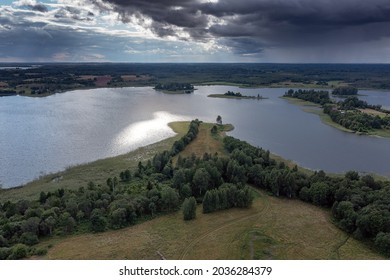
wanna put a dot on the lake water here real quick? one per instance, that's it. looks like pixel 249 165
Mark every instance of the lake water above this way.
pixel 43 135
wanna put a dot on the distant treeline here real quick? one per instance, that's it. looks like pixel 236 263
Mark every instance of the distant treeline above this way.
pixel 316 96
pixel 345 91
pixel 7 92
pixel 346 112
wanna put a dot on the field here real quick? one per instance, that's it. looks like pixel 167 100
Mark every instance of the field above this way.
pixel 273 228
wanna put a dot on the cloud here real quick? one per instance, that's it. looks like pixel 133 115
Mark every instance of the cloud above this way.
pixel 267 23
pixel 197 30
pixel 32 4
pixel 81 33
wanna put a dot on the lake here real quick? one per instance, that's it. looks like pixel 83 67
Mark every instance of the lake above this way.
pixel 44 135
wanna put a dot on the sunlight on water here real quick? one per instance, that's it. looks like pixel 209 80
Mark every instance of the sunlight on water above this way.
pixel 146 132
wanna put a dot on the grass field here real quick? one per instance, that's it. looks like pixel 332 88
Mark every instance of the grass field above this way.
pixel 272 228
pixel 207 142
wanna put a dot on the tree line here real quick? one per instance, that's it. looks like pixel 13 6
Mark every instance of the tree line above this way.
pixel 345 91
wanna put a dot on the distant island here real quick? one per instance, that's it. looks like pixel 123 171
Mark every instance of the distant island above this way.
pixel 236 95
pixel 175 88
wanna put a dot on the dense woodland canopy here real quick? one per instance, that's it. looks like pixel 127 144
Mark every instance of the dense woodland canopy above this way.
pixel 360 204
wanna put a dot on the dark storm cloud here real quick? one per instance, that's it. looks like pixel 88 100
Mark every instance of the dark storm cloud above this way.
pixel 39 7
pixel 266 22
pixel 166 15
pixel 71 13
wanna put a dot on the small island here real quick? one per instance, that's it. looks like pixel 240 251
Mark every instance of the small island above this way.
pixel 236 95
pixel 175 88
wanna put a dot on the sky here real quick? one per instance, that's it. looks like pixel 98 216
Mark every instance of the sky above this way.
pixel 269 31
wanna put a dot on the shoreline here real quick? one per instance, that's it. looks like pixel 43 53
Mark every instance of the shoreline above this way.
pixel 316 109
pixel 98 171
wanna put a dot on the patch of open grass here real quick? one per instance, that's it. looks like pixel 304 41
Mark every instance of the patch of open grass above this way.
pixel 272 228
pixel 206 142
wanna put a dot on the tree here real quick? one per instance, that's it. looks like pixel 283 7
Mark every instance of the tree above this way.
pixel 118 218
pixel 214 129
pixel 42 197
pixel 219 119
pixel 98 221
pixel 189 208
pixel 382 242
pixel 321 194
pixel 19 251
pixel 185 191
pixel 170 199
pixel 200 181
pixel 29 238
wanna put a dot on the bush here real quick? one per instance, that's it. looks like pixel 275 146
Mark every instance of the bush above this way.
pixel 382 242
pixel 189 208
pixel 29 238
pixel 98 221
pixel 19 251
pixel 3 242
pixel 4 253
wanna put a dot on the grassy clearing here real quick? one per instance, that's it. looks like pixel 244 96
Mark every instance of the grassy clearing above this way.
pixel 98 171
pixel 272 228
pixel 207 142
pixel 373 112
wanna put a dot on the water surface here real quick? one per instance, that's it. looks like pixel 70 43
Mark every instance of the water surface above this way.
pixel 43 135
